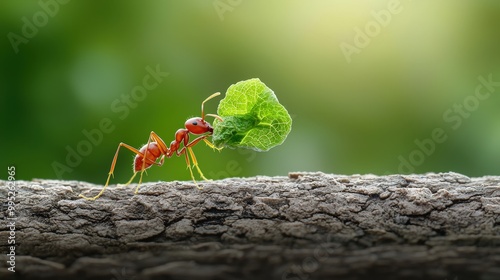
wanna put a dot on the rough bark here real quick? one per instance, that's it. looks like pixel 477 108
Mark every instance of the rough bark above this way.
pixel 305 226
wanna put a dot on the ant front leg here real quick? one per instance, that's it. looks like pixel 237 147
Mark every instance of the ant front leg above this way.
pixel 189 149
pixel 188 163
pixel 211 145
pixel 195 164
pixel 112 169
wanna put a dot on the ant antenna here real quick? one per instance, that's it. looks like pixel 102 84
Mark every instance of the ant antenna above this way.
pixel 202 103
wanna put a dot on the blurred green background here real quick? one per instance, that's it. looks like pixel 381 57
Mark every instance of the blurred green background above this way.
pixel 362 116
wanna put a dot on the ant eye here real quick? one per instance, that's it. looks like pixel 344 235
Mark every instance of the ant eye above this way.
pixel 194 123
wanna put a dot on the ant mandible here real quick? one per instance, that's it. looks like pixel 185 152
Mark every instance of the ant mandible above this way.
pixel 156 148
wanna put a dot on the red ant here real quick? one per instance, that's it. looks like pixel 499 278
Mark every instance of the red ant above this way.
pixel 156 148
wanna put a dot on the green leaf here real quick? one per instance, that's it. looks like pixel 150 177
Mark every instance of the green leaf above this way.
pixel 252 117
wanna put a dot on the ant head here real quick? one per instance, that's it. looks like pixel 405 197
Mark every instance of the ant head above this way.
pixel 198 126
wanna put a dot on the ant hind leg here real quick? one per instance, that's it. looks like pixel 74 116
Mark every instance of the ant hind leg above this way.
pixel 112 169
pixel 99 194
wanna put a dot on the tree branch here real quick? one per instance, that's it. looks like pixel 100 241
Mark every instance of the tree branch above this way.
pixel 305 226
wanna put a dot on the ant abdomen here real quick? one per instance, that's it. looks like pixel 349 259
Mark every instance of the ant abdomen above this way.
pixel 152 154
